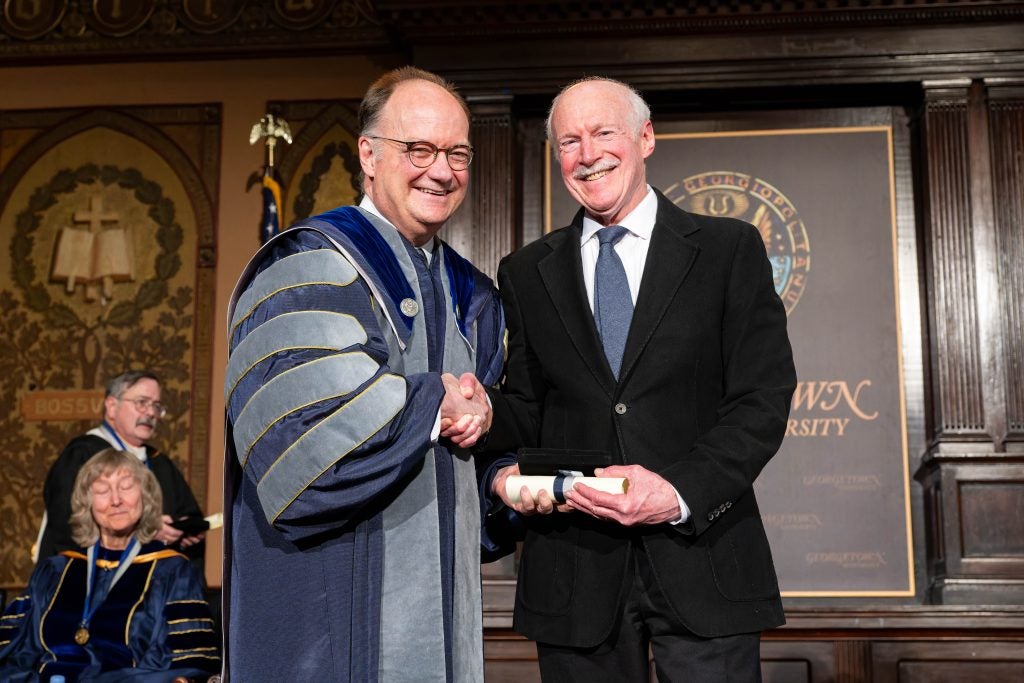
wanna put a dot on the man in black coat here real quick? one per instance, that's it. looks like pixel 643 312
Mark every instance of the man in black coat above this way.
pixel 691 406
pixel 131 413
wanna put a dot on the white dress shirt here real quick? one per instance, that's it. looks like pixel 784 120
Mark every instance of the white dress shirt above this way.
pixel 632 251
pixel 632 248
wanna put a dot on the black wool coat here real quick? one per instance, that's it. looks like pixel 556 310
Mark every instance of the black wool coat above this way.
pixel 702 399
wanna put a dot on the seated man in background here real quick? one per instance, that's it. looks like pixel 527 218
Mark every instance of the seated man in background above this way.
pixel 131 412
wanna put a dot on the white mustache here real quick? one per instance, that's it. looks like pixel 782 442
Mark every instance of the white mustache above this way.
pixel 599 165
pixel 148 421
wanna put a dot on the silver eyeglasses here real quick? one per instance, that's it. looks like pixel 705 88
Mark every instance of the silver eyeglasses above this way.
pixel 144 405
pixel 422 153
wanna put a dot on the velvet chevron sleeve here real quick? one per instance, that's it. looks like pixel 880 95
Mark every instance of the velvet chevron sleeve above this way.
pixel 20 648
pixel 492 342
pixel 321 425
pixel 182 638
pixel 17 646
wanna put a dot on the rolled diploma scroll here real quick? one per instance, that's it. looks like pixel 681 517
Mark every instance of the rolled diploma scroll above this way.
pixel 558 484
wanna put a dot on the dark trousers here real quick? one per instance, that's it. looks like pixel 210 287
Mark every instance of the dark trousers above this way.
pixel 647 621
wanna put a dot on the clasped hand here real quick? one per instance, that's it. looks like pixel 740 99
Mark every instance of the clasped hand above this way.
pixel 465 411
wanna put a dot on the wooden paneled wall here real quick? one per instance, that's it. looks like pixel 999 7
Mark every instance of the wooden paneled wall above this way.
pixel 973 473
pixel 957 66
pixel 963 85
pixel 828 645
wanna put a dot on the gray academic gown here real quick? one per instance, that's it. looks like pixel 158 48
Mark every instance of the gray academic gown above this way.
pixel 352 550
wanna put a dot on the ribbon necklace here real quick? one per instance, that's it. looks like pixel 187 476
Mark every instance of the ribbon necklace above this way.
pixel 89 607
pixel 114 436
pixel 120 444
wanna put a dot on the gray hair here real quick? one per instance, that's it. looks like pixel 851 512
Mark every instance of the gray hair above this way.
pixel 126 380
pixel 639 111
pixel 84 529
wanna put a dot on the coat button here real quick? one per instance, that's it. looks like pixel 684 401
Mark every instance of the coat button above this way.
pixel 620 408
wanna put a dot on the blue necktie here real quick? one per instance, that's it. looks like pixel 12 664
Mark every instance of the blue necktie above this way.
pixel 613 304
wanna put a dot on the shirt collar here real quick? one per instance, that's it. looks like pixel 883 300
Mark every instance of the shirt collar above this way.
pixel 117 443
pixel 639 221
pixel 367 204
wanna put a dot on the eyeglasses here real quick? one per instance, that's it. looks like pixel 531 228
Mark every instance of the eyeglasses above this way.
pixel 144 405
pixel 422 153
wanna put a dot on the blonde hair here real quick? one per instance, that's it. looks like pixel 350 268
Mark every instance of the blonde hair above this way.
pixel 84 529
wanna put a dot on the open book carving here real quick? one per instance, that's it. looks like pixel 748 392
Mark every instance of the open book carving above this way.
pixel 96 257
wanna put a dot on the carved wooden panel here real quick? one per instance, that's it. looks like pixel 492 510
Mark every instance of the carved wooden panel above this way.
pixel 975 549
pixel 948 662
pixel 491 230
pixel 853 660
pixel 818 645
pixel 944 671
pixel 992 519
pixel 107 221
pixel 956 362
pixel 1007 144
pixel 797 662
pixel 59 29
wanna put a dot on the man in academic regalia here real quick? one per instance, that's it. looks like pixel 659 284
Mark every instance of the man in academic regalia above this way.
pixel 353 531
pixel 131 413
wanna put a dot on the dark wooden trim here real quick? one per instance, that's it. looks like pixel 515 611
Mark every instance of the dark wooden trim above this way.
pixel 990 346
pixel 956 372
pixel 1006 141
pixel 62 32
pixel 833 645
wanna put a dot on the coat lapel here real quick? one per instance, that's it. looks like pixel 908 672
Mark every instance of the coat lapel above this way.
pixel 669 259
pixel 562 274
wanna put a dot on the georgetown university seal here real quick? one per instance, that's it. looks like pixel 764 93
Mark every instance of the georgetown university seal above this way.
pixel 738 195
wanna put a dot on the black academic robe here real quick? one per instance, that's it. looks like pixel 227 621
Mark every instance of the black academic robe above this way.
pixel 178 499
pixel 152 626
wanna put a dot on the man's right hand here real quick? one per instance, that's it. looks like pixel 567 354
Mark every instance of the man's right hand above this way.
pixel 171 535
pixel 543 505
pixel 168 534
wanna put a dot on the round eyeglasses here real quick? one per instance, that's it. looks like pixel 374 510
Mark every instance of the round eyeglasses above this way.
pixel 144 405
pixel 422 153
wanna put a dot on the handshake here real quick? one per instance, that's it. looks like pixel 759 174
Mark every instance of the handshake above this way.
pixel 465 410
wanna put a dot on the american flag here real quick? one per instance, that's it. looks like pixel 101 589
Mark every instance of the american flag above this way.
pixel 271 222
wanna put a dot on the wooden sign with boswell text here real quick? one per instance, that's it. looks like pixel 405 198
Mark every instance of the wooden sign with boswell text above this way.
pixel 62 406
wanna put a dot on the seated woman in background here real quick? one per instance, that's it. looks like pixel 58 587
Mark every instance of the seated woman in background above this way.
pixel 129 610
